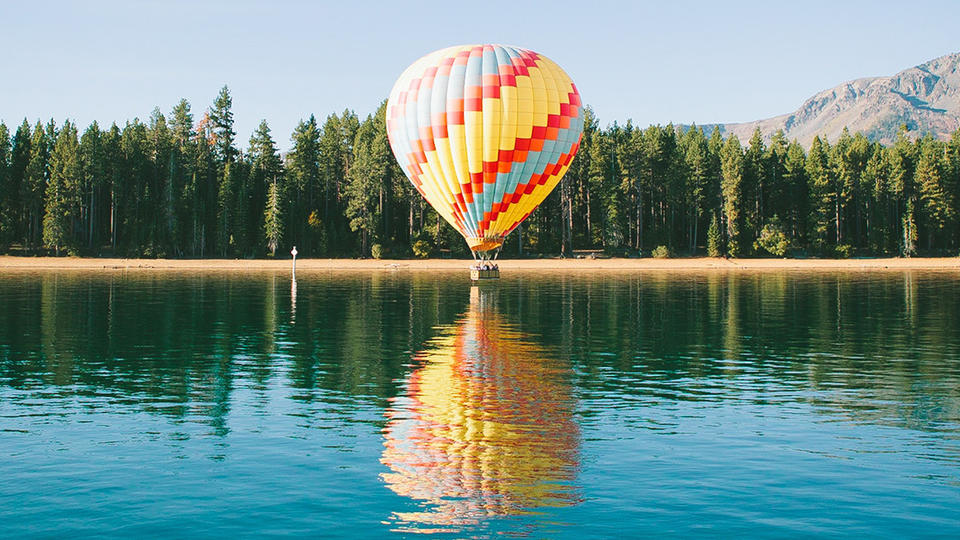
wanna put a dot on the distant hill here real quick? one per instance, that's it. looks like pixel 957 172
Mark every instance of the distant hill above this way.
pixel 926 98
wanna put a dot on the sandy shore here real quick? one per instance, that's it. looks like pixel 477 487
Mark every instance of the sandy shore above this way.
pixel 703 263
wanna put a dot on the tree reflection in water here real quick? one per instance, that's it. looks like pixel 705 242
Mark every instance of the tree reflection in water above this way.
pixel 484 427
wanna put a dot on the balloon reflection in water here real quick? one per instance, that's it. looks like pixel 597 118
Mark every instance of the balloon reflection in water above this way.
pixel 485 426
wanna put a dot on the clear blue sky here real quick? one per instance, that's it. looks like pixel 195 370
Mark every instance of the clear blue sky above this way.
pixel 654 62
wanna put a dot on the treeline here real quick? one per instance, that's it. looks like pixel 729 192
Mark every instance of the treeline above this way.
pixel 687 193
pixel 182 187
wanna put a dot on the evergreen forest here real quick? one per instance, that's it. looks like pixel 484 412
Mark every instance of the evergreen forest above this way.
pixel 183 186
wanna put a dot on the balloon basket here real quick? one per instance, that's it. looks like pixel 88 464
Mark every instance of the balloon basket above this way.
pixel 483 272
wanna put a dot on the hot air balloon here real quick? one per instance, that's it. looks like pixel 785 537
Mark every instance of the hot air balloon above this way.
pixel 484 133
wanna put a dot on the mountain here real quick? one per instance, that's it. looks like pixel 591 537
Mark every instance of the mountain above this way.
pixel 926 98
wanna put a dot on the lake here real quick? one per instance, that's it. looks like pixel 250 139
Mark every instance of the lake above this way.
pixel 762 404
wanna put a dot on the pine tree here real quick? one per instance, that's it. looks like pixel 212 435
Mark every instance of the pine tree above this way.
pixel 661 177
pixel 731 164
pixel 273 218
pixel 6 217
pixel 822 193
pixel 181 124
pixel 367 179
pixel 227 174
pixel 349 124
pixel 303 167
pixel 848 159
pixel 714 238
pixel 632 172
pixel 696 158
pixel 35 182
pixel 853 197
pixel 332 167
pixel 775 202
pixel 874 186
pixel 221 118
pixel 266 170
pixel 113 167
pixel 92 162
pixel 909 228
pixel 603 188
pixel 204 184
pixel 134 220
pixel 795 207
pixel 63 192
pixel 953 182
pixel 160 190
pixel 937 205
pixel 17 173
pixel 226 207
pixel 901 163
pixel 754 187
pixel 576 210
pixel 182 188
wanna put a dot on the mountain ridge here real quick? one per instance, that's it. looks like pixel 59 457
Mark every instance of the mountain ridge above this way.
pixel 926 98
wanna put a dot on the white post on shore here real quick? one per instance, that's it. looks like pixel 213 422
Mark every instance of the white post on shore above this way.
pixel 294 253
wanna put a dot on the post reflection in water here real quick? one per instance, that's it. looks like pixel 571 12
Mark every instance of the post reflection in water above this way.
pixel 293 299
pixel 483 428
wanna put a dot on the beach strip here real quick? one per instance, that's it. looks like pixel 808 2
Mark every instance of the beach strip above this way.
pixel 614 264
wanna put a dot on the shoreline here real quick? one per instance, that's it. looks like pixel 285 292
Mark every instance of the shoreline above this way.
pixel 8 263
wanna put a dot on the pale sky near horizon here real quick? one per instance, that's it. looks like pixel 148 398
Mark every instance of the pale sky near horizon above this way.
pixel 652 62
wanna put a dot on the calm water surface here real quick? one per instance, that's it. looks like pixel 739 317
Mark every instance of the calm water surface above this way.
pixel 545 405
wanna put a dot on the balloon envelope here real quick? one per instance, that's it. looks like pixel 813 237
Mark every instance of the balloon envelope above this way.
pixel 484 132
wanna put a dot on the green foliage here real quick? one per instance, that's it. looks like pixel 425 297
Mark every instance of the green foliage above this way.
pixel 376 251
pixel 369 182
pixel 756 182
pixel 303 181
pixel 179 186
pixel 273 219
pixel 661 252
pixel 910 234
pixel 264 174
pixel 731 166
pixel 715 246
pixel 36 175
pixel 221 117
pixel 603 184
pixel 699 166
pixel 446 237
pixel 62 191
pixel 773 239
pixel 7 218
pixel 844 251
pixel 422 249
pixel 318 232
pixel 822 193
pixel 932 177
pixel 226 209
